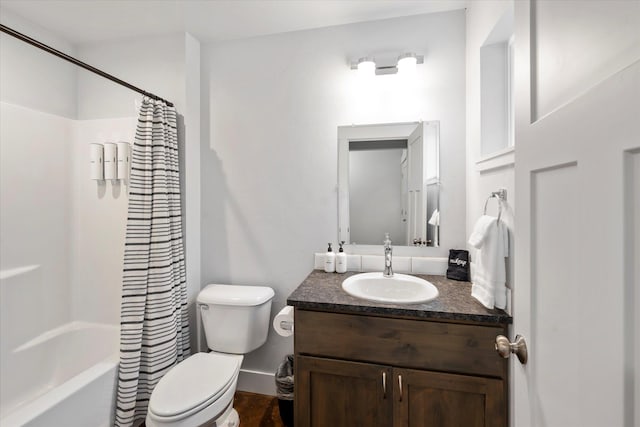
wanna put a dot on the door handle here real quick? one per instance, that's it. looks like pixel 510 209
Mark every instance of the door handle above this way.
pixel 400 385
pixel 518 347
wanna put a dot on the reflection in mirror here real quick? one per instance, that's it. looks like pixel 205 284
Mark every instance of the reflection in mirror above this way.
pixel 378 190
pixel 388 178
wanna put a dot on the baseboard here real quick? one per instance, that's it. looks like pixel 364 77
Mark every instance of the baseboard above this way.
pixel 257 382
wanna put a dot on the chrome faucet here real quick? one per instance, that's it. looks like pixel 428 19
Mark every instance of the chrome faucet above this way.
pixel 388 270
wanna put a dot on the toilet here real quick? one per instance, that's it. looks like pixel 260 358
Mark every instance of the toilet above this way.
pixel 199 390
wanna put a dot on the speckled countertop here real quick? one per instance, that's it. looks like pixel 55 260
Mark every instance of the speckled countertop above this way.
pixel 323 291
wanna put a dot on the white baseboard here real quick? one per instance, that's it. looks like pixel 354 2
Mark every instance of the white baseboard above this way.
pixel 257 382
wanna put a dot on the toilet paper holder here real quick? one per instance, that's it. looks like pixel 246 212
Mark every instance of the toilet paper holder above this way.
pixel 283 322
pixel 286 325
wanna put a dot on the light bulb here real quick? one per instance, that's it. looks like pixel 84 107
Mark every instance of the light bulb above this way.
pixel 407 64
pixel 366 67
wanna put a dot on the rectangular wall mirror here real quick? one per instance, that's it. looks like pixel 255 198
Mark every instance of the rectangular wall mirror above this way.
pixel 389 182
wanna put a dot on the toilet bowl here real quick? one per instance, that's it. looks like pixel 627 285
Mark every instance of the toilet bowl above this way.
pixel 199 390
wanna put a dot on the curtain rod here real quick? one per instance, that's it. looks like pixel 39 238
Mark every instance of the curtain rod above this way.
pixel 77 62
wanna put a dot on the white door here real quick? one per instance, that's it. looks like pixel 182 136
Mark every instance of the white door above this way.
pixel 577 244
pixel 417 197
pixel 404 197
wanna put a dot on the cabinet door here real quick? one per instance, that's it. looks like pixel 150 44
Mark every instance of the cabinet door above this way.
pixel 334 393
pixel 434 399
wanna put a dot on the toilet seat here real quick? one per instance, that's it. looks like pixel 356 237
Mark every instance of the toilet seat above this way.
pixel 193 385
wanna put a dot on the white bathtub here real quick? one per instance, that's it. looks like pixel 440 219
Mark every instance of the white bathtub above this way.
pixel 66 376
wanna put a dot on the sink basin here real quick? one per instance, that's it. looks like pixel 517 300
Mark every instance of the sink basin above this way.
pixel 398 289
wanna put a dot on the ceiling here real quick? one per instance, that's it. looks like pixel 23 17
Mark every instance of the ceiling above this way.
pixel 94 21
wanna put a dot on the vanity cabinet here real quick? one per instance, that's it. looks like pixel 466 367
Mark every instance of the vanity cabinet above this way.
pixel 341 393
pixel 366 370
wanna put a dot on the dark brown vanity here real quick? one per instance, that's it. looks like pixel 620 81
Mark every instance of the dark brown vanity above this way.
pixel 364 363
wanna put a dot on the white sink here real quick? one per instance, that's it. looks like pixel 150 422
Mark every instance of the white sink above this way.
pixel 398 289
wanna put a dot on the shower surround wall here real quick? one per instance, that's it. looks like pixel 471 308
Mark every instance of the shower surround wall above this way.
pixel 90 217
pixel 99 218
pixel 53 214
pixel 62 233
pixel 62 239
pixel 35 223
pixel 36 128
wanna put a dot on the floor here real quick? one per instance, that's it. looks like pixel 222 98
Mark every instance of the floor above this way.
pixel 257 410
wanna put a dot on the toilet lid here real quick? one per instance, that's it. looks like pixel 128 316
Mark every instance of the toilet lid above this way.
pixel 200 379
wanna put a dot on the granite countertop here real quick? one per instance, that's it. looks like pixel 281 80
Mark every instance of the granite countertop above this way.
pixel 323 292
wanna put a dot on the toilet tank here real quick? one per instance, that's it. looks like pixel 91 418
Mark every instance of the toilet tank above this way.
pixel 235 318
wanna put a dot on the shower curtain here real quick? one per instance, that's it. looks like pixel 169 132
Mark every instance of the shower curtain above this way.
pixel 154 327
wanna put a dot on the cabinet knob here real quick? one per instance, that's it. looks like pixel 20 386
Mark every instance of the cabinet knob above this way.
pixel 518 347
pixel 400 385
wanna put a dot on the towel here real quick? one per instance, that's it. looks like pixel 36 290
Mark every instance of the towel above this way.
pixel 489 281
pixel 435 218
pixel 480 230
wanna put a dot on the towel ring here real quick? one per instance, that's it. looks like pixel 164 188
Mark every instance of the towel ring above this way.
pixel 492 196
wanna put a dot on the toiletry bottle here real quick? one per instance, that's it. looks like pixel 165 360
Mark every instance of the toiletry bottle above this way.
pixel 341 260
pixel 330 260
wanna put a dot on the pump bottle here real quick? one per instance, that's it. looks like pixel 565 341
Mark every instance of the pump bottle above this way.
pixel 329 260
pixel 341 260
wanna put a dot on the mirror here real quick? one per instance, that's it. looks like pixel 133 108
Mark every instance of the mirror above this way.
pixel 389 181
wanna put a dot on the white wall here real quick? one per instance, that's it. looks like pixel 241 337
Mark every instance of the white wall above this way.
pixel 156 65
pixel 269 165
pixel 168 66
pixel 496 173
pixel 494 95
pixel 190 168
pixel 33 78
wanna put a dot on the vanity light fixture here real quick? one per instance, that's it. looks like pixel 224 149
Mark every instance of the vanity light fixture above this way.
pixel 405 63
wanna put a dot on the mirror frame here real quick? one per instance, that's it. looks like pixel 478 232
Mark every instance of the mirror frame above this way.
pixel 378 132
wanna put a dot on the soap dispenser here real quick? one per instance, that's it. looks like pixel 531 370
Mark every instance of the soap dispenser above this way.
pixel 329 260
pixel 341 260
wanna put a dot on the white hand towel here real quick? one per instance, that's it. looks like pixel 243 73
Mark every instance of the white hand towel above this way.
pixel 435 218
pixel 489 281
pixel 480 230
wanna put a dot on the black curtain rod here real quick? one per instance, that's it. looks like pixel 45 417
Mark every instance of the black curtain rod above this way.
pixel 77 62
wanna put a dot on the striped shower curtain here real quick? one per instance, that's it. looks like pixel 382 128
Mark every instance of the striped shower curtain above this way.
pixel 154 328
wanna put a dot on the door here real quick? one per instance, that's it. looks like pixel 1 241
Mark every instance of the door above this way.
pixel 577 189
pixel 436 399
pixel 341 394
pixel 404 197
pixel 417 199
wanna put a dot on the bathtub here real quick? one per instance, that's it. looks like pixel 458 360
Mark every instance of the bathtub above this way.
pixel 66 376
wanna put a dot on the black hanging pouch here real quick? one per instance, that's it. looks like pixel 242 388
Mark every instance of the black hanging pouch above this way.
pixel 458 267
